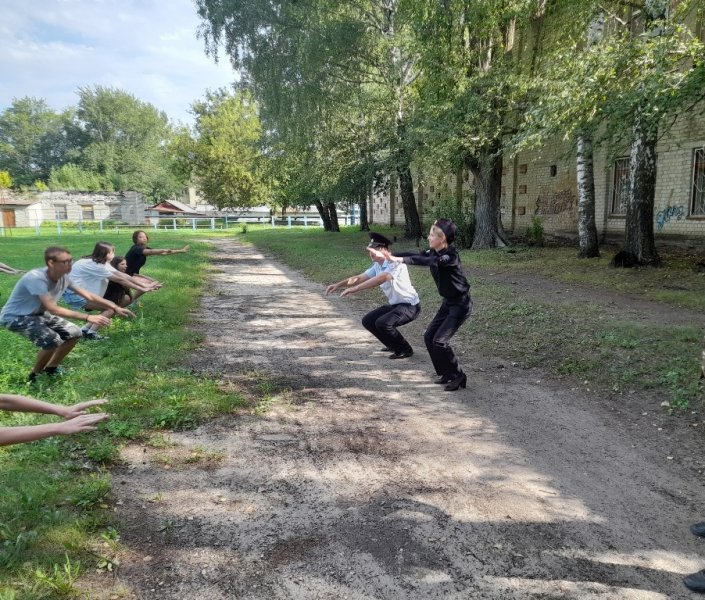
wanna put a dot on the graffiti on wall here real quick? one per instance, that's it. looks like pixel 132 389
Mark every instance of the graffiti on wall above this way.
pixel 668 214
pixel 553 203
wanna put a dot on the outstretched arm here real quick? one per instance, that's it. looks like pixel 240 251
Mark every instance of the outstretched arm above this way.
pixel 347 282
pixel 9 270
pixel 76 417
pixel 164 251
pixel 369 283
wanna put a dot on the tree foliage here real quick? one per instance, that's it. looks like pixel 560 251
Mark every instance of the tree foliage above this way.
pixel 222 155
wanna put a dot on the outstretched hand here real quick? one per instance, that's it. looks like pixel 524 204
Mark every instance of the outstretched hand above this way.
pixel 125 312
pixel 71 412
pixel 331 288
pixel 81 423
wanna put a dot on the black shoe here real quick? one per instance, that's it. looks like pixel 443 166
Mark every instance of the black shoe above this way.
pixel 696 582
pixel 55 371
pixel 460 381
pixel 403 354
pixel 698 529
pixel 443 379
pixel 386 349
pixel 32 377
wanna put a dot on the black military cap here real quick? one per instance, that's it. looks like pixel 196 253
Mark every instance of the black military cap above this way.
pixel 377 240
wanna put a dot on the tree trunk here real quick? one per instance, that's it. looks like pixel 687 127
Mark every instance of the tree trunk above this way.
pixel 362 200
pixel 412 221
pixel 639 227
pixel 325 216
pixel 333 217
pixel 587 231
pixel 487 170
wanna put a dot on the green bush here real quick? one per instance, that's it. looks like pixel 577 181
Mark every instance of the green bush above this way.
pixel 534 232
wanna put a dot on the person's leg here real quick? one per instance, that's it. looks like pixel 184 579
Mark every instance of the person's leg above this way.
pixel 69 334
pixel 430 334
pixel 387 324
pixel 457 314
pixel 369 322
pixel 48 332
pixel 59 354
pixel 105 313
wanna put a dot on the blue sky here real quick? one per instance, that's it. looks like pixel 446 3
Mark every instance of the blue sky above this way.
pixel 50 48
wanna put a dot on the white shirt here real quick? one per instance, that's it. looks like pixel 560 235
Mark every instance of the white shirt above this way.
pixel 399 290
pixel 91 276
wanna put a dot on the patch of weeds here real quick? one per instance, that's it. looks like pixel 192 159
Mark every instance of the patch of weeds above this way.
pixel 176 413
pixel 91 491
pixel 102 450
pixel 159 440
pixel 14 545
pixel 61 580
pixel 199 454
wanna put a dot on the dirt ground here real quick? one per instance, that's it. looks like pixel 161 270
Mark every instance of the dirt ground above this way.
pixel 364 480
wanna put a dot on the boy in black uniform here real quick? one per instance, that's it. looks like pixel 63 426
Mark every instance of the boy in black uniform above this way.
pixel 443 259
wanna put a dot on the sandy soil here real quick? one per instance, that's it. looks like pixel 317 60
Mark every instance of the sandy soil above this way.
pixel 363 479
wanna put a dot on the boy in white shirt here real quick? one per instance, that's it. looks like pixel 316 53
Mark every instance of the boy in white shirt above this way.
pixel 404 305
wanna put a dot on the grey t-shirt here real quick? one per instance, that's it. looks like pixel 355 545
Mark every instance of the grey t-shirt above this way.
pixel 24 299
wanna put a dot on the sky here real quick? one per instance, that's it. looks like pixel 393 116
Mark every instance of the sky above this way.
pixel 149 48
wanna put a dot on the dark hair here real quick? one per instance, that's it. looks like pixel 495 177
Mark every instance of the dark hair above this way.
pixel 52 251
pixel 116 261
pixel 136 233
pixel 100 252
pixel 448 228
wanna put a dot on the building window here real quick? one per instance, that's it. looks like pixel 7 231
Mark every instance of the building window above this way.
pixel 620 189
pixel 523 168
pixel 60 212
pixel 554 170
pixel 697 206
pixel 87 213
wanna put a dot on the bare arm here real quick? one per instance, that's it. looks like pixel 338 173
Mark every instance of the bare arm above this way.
pixel 76 417
pixel 9 270
pixel 29 433
pixel 131 282
pixel 100 301
pixel 347 282
pixel 368 284
pixel 51 306
pixel 164 251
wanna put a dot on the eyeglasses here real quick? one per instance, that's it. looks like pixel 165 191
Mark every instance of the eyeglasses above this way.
pixel 63 262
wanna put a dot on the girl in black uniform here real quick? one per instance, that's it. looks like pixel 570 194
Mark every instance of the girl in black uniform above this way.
pixel 447 272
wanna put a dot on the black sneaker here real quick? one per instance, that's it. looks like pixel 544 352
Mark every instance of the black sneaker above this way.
pixel 93 336
pixel 696 582
pixel 55 371
pixel 403 354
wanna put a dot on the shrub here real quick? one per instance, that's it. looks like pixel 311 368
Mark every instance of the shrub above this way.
pixel 534 232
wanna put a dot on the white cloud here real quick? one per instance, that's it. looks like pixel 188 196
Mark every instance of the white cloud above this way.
pixel 149 48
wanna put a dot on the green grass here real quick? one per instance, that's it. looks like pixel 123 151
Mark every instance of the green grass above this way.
pixel 54 500
pixel 569 338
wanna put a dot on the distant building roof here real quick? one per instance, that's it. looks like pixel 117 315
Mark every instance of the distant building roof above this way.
pixel 174 207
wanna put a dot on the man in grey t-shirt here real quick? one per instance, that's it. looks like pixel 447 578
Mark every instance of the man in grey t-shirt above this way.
pixel 32 311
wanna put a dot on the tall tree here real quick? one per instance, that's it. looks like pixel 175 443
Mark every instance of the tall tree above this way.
pixel 223 155
pixel 125 140
pixel 315 62
pixel 471 89
pixel 33 140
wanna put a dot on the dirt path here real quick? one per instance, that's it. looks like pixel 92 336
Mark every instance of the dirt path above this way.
pixel 364 481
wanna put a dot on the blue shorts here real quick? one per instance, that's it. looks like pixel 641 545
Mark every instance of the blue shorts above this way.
pixel 74 300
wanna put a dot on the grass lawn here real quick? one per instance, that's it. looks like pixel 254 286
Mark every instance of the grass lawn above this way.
pixel 55 522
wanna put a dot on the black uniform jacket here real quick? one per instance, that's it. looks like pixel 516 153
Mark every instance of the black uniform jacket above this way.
pixel 446 270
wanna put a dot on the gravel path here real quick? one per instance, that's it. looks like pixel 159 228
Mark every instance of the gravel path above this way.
pixel 363 480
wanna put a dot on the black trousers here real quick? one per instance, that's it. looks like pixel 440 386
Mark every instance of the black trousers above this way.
pixel 450 316
pixel 382 323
